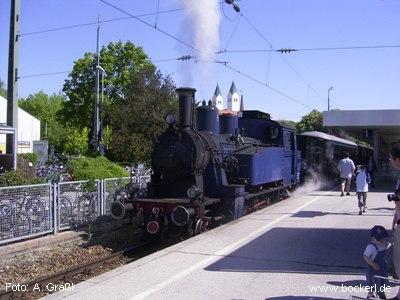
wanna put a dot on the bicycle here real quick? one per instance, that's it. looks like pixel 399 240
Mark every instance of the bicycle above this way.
pixel 80 209
pixel 22 217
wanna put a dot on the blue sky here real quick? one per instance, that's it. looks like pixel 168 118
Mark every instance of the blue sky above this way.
pixel 362 79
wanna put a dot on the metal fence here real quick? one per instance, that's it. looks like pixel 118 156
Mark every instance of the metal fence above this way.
pixel 32 210
pixel 78 203
pixel 25 211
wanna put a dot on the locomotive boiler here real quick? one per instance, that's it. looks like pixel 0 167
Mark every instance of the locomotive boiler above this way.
pixel 208 167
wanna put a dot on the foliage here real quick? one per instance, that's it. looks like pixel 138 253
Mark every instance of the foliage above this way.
pixel 3 91
pixel 45 108
pixel 137 121
pixel 75 141
pixel 136 100
pixel 289 123
pixel 30 157
pixel 120 62
pixel 13 178
pixel 63 136
pixel 311 122
pixel 88 168
pixel 358 142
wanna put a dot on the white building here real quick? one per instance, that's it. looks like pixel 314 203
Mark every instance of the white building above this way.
pixel 28 129
pixel 217 99
pixel 233 98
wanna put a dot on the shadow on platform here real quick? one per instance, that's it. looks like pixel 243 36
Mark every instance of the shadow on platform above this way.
pixel 299 250
pixel 301 298
pixel 313 214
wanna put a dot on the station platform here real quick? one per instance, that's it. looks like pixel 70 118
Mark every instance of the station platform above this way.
pixel 309 246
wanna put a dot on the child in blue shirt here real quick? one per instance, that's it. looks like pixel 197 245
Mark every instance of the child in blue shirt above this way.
pixel 375 255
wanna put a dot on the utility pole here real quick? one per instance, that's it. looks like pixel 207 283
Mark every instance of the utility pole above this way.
pixel 96 114
pixel 12 85
pixel 329 101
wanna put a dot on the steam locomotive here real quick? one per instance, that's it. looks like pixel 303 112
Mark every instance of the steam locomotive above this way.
pixel 209 167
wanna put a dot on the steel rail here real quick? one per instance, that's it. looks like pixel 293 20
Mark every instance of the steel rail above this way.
pixel 72 271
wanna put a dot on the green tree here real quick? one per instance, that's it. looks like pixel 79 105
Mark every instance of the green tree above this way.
pixel 63 136
pixel 3 91
pixel 137 121
pixel 120 62
pixel 45 108
pixel 311 122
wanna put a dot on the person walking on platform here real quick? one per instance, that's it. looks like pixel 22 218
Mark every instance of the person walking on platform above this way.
pixel 346 168
pixel 375 256
pixel 362 181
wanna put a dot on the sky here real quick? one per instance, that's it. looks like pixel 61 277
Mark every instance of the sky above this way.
pixel 286 85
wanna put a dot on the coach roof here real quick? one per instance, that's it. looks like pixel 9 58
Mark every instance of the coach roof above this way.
pixel 328 137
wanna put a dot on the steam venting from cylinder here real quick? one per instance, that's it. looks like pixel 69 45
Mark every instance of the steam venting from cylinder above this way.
pixel 186 100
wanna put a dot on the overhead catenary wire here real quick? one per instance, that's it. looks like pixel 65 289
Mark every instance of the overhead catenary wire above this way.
pixel 226 17
pixel 233 32
pixel 148 24
pixel 43 74
pixel 95 23
pixel 183 58
pixel 222 63
pixel 267 86
pixel 225 64
pixel 289 50
pixel 284 59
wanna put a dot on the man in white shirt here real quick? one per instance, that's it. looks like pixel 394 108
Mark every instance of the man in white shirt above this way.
pixel 346 167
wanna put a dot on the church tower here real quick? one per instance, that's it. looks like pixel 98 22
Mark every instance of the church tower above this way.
pixel 233 98
pixel 217 99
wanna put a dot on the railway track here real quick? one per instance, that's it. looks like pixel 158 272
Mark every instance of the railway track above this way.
pixel 93 268
pixel 90 269
pixel 64 275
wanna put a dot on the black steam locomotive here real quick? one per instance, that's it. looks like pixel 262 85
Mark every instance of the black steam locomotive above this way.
pixel 211 167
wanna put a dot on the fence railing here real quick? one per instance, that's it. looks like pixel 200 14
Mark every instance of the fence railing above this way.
pixel 32 210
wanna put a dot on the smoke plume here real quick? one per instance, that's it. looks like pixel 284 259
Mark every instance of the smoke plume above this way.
pixel 202 19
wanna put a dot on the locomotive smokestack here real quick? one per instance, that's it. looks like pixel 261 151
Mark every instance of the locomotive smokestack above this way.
pixel 186 100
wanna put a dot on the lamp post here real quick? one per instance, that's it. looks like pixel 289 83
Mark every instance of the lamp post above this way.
pixel 329 91
pixel 99 128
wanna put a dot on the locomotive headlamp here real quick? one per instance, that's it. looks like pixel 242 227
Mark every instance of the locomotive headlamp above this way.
pixel 193 192
pixel 170 119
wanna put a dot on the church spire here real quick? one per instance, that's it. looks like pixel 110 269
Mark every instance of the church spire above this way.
pixel 217 99
pixel 233 88
pixel 217 91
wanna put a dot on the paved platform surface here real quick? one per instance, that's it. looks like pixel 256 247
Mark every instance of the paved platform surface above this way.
pixel 306 246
